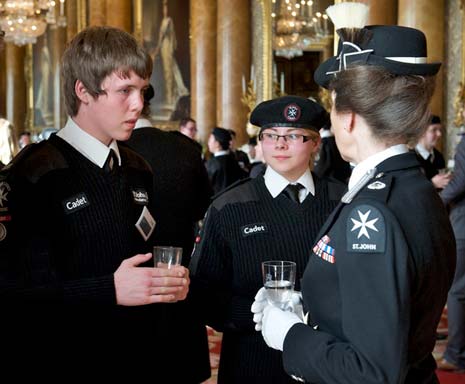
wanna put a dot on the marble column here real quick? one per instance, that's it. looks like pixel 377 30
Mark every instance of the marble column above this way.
pixel 428 16
pixel 2 82
pixel 203 65
pixel 97 12
pixel 382 12
pixel 119 14
pixel 71 19
pixel 16 98
pixel 233 62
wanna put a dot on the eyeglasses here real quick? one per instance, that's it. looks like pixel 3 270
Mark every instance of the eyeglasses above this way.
pixel 293 138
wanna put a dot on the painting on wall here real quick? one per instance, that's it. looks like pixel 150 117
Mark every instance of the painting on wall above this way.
pixel 43 84
pixel 165 29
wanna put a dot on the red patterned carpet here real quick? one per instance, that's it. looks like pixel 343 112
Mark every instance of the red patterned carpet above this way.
pixel 214 340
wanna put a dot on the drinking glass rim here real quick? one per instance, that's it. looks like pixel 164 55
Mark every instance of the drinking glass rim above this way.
pixel 278 262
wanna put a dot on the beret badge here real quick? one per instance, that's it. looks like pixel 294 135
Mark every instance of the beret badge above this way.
pixel 292 112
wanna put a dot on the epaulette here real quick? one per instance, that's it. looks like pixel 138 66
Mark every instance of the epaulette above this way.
pixel 34 161
pixel 133 159
pixel 349 196
pixel 240 191
pixel 378 188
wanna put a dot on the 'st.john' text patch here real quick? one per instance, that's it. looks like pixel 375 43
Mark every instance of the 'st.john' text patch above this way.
pixel 366 230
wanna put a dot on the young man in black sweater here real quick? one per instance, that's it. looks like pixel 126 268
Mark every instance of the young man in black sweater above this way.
pixel 257 220
pixel 76 224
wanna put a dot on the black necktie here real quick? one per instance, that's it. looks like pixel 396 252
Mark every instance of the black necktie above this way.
pixel 292 192
pixel 111 161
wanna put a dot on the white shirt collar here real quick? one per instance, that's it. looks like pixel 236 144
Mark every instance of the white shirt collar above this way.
pixel 86 144
pixel 371 162
pixel 324 133
pixel 422 151
pixel 275 183
pixel 143 123
pixel 221 153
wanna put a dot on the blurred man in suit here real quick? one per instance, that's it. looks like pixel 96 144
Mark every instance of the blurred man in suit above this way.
pixel 454 196
pixel 181 196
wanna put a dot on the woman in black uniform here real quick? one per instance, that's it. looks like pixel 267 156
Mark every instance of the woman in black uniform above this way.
pixel 377 280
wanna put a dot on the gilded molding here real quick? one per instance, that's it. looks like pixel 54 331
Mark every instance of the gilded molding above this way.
pixel 454 75
pixel 29 77
pixel 138 20
pixel 262 52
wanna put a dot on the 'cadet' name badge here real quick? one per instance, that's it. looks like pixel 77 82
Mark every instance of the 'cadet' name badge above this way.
pixel 145 224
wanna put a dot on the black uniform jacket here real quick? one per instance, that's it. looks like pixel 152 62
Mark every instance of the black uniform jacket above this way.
pixel 376 284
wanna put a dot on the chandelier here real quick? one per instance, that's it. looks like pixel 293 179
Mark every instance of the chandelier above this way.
pixel 296 27
pixel 25 20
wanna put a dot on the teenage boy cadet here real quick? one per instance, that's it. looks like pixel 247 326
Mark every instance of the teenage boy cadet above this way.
pixel 256 220
pixel 76 223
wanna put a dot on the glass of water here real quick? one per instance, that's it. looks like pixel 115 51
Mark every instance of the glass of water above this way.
pixel 279 281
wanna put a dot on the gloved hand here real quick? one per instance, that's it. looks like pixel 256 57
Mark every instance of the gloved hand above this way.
pixel 295 305
pixel 276 324
pixel 258 306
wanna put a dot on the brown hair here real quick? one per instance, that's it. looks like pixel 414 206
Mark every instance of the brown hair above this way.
pixel 395 107
pixel 183 122
pixel 94 54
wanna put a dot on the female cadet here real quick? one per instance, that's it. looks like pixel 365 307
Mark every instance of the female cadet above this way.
pixel 377 280
pixel 256 221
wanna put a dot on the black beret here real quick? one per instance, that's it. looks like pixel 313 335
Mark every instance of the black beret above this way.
pixel 435 119
pixel 222 135
pixel 289 111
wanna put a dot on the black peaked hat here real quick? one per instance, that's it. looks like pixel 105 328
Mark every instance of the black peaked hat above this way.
pixel 289 111
pixel 400 50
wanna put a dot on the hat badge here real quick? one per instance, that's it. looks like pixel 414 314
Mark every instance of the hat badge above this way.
pixel 292 112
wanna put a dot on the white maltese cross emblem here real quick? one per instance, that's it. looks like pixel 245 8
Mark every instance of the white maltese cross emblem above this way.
pixel 364 224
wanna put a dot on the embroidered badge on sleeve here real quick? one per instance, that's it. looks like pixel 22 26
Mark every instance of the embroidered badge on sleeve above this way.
pixel 366 230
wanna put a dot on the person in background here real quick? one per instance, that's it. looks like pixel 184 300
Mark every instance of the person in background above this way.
pixel 222 168
pixel 188 127
pixel 274 216
pixel 77 227
pixel 24 139
pixel 430 158
pixel 329 162
pixel 257 164
pixel 375 285
pixel 181 197
pixel 241 157
pixel 453 195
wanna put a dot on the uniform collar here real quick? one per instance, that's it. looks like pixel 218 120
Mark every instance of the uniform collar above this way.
pixel 86 144
pixel 221 153
pixel 423 152
pixel 275 183
pixel 143 123
pixel 371 162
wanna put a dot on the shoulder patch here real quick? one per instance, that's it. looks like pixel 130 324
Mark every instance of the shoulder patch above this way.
pixel 241 191
pixel 365 230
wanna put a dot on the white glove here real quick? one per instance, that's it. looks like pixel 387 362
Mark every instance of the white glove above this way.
pixel 276 324
pixel 258 306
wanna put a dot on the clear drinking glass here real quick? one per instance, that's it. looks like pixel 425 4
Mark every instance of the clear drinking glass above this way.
pixel 279 281
pixel 166 257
